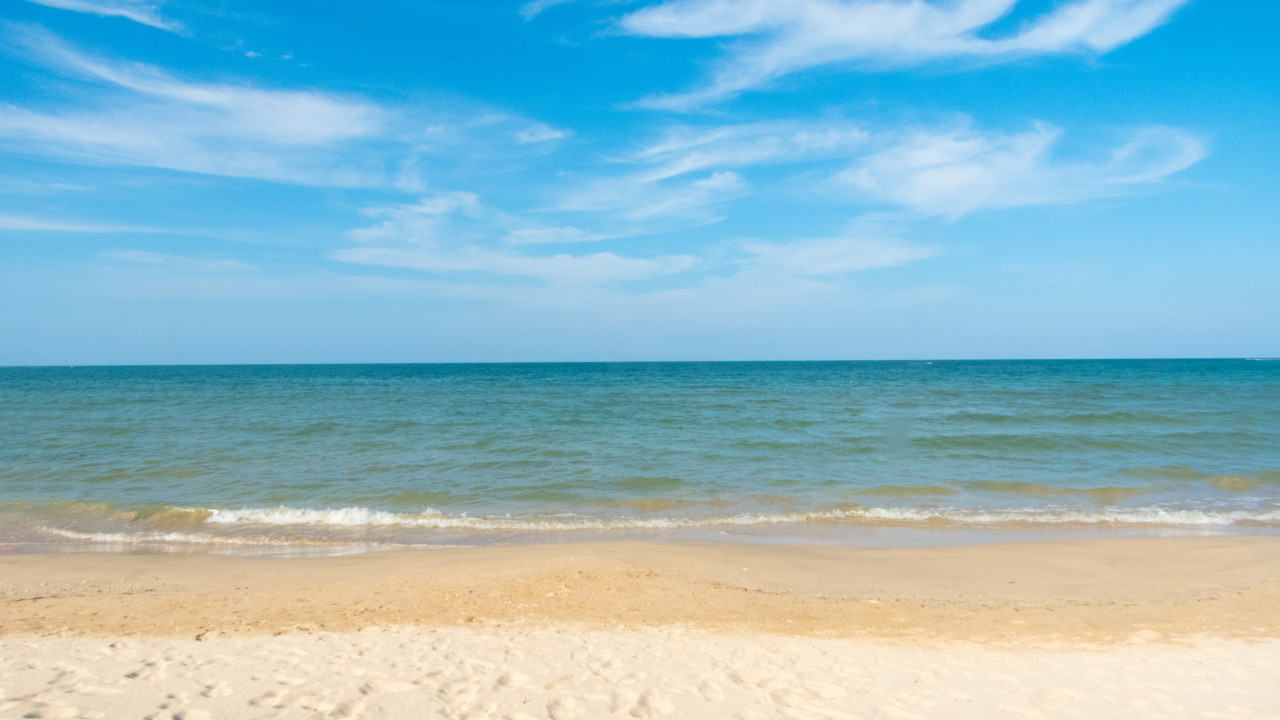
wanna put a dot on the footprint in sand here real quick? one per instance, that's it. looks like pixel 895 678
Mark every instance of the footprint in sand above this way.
pixel 386 686
pixel 711 690
pixel 511 680
pixel 271 699
pixel 350 708
pixel 786 697
pixel 175 700
pixel 459 692
pixel 651 704
pixel 622 699
pixel 479 711
pixel 215 690
pixel 825 690
pixel 564 708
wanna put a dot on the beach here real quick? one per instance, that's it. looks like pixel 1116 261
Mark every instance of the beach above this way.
pixel 691 359
pixel 1169 627
pixel 703 540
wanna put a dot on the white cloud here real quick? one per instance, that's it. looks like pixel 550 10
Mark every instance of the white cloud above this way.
pixel 832 256
pixel 539 134
pixel 686 149
pixel 688 172
pixel 956 172
pixel 792 35
pixel 289 117
pixel 456 233
pixel 140 12
pixel 530 10
pixel 153 119
pixel 164 137
pixel 420 222
pixel 637 198
pixel 590 269
pixel 183 263
pixel 551 236
pixel 10 222
pixel 136 114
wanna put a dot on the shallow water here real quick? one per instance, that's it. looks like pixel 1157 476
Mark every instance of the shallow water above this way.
pixel 821 451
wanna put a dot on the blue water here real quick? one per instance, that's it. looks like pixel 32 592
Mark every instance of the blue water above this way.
pixel 418 454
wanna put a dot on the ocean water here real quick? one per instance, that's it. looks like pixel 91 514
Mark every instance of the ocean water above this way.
pixel 391 455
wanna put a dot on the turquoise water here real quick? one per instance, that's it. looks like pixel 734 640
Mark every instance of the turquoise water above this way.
pixel 426 454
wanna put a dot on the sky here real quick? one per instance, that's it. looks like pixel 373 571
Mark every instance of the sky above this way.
pixel 223 181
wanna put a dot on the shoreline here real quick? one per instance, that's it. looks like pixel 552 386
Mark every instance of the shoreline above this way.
pixel 1083 590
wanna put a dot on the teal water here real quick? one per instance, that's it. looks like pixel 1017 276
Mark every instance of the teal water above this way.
pixel 424 454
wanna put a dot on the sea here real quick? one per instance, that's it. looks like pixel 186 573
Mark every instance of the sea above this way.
pixel 304 459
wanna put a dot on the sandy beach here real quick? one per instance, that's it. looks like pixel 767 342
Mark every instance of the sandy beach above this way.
pixel 1175 627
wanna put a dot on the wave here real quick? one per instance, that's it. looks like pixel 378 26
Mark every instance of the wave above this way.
pixel 431 519
pixel 171 538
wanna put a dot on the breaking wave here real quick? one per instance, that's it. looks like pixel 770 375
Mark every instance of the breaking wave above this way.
pixel 431 519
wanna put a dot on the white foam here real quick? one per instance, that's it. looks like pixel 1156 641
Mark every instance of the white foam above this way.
pixel 1138 516
pixel 178 538
pixel 431 519
pixel 348 516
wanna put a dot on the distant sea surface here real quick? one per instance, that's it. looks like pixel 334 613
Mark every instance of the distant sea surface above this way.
pixel 391 455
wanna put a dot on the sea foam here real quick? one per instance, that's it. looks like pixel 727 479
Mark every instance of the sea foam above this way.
pixel 431 519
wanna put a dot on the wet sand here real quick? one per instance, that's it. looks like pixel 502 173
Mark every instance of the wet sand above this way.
pixel 1093 590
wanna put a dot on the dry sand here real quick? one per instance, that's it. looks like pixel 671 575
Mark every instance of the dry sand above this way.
pixel 1171 627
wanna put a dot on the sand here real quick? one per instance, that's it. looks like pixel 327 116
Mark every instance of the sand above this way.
pixel 1181 627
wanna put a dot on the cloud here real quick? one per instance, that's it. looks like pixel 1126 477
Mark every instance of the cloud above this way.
pixel 289 117
pixel 182 263
pixel 551 235
pixel 639 199
pixel 127 113
pixel 139 12
pixel 688 172
pixel 153 119
pixel 953 173
pixel 686 149
pixel 590 269
pixel 539 134
pixel 832 256
pixel 530 10
pixel 456 233
pixel 10 222
pixel 787 36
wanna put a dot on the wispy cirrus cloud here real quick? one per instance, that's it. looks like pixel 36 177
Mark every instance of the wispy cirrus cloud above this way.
pixel 637 200
pixel 457 233
pixel 786 36
pixel 831 256
pixel 689 173
pixel 530 10
pixel 685 149
pixel 539 133
pixel 148 117
pixel 146 13
pixel 955 172
pixel 695 173
pixel 29 224
pixel 128 113
pixel 184 263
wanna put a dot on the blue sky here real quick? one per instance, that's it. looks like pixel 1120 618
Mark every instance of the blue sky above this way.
pixel 201 181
